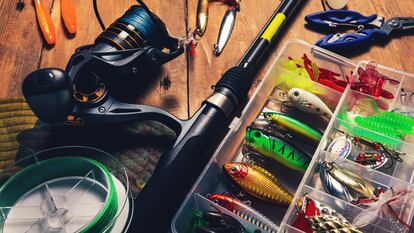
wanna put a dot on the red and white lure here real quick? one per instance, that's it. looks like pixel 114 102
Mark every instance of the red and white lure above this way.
pixel 308 102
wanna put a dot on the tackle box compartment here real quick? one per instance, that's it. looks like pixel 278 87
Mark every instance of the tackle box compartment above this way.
pixel 271 95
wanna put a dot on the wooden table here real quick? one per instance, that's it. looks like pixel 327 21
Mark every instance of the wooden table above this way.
pixel 22 49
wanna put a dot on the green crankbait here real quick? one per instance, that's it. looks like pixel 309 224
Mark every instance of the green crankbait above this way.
pixel 293 125
pixel 277 149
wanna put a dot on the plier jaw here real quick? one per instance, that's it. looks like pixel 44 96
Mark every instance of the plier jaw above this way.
pixel 369 28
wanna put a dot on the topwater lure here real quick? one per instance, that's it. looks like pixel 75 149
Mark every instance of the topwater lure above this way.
pixel 202 17
pixel 364 188
pixel 316 217
pixel 226 27
pixel 244 211
pixel 258 182
pixel 293 125
pixel 214 222
pixel 308 102
pixel 277 149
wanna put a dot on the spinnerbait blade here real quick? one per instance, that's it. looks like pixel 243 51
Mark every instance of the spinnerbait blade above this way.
pixel 202 17
pixel 226 29
pixel 351 180
pixel 308 102
pixel 293 125
pixel 332 186
pixel 258 182
pixel 277 149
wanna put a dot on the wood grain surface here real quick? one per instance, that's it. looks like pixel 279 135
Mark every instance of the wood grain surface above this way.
pixel 22 49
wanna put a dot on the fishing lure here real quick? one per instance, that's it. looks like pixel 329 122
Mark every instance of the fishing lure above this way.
pixel 244 211
pixel 308 102
pixel 294 126
pixel 277 149
pixel 258 182
pixel 226 28
pixel 202 17
pixel 356 183
pixel 315 217
pixel 214 222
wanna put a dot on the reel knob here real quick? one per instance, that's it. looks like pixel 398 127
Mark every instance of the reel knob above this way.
pixel 49 94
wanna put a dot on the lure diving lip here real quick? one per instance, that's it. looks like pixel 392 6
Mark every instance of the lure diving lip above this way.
pixel 308 102
pixel 258 182
pixel 294 125
pixel 226 29
pixel 277 149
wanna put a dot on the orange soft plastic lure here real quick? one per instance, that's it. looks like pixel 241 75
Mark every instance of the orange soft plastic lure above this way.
pixel 69 15
pixel 258 182
pixel 45 23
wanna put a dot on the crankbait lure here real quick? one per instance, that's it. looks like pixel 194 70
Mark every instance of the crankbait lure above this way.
pixel 353 181
pixel 277 149
pixel 226 28
pixel 315 217
pixel 202 17
pixel 244 211
pixel 293 125
pixel 258 182
pixel 308 102
pixel 214 222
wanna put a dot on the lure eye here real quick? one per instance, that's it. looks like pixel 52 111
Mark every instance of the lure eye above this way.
pixel 257 134
pixel 296 93
pixel 233 170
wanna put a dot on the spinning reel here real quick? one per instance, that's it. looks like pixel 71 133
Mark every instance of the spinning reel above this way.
pixel 133 45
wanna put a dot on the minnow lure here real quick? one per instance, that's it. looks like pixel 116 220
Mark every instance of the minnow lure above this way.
pixel 277 149
pixel 308 102
pixel 294 126
pixel 202 17
pixel 353 181
pixel 314 216
pixel 226 28
pixel 244 211
pixel 258 182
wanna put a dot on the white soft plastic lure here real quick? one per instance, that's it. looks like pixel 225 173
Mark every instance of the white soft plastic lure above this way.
pixel 308 102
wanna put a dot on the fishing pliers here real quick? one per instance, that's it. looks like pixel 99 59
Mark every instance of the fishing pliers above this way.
pixel 369 28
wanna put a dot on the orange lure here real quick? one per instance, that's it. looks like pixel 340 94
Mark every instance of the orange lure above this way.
pixel 258 182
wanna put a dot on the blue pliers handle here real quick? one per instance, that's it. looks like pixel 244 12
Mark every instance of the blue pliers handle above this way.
pixel 369 28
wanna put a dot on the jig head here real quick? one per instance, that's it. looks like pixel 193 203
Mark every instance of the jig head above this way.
pixel 308 102
pixel 258 182
pixel 276 149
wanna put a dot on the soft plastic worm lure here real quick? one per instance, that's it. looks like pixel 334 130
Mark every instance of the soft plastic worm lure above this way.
pixel 242 210
pixel 353 181
pixel 258 182
pixel 308 102
pixel 293 125
pixel 277 149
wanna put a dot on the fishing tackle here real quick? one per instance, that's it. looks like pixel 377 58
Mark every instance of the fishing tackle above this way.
pixel 214 222
pixel 258 182
pixel 243 210
pixel 202 17
pixel 315 217
pixel 364 188
pixel 308 102
pixel 293 125
pixel 277 149
pixel 226 27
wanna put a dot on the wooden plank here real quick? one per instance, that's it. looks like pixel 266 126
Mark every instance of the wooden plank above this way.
pixel 171 12
pixel 205 69
pixel 20 45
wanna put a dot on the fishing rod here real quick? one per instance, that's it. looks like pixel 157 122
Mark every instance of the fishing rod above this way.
pixel 81 95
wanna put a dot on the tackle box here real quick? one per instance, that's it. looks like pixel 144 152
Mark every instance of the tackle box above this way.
pixel 270 95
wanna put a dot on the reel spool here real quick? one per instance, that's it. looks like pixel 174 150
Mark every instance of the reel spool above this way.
pixel 67 189
pixel 133 46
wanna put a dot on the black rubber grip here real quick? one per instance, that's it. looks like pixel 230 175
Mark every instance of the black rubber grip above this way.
pixel 235 84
